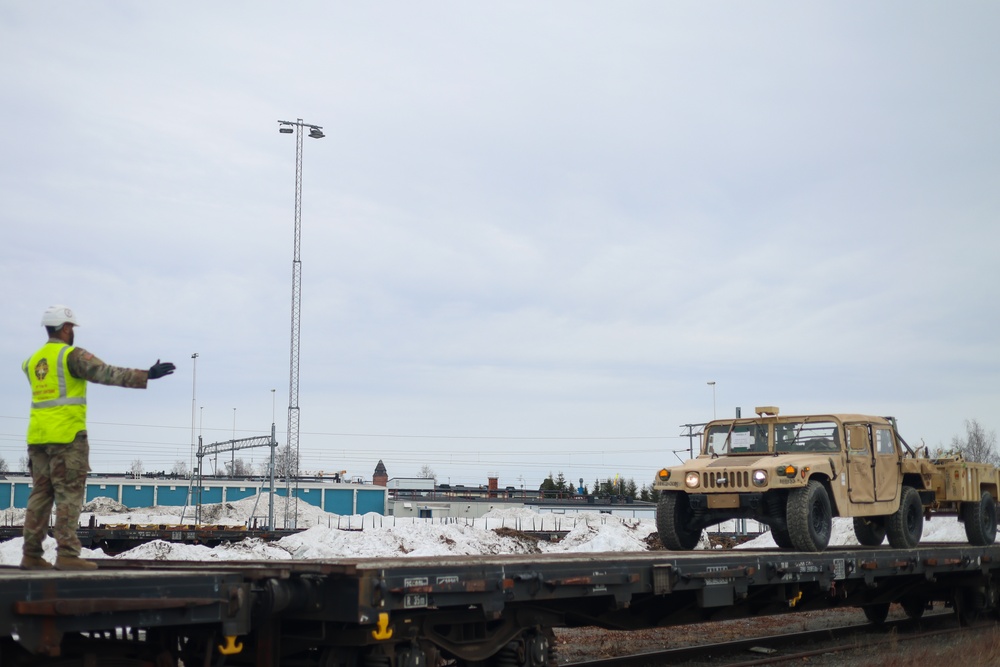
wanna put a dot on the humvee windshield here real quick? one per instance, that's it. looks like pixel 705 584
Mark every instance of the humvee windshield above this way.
pixel 806 437
pixel 790 437
pixel 743 439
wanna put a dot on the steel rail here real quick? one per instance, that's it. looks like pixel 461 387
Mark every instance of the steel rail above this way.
pixel 718 650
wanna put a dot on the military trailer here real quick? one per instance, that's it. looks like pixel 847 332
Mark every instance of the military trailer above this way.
pixel 795 473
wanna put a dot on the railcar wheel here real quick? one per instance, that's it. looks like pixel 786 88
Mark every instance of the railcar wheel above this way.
pixel 981 520
pixel 876 613
pixel 532 649
pixel 973 603
pixel 810 517
pixel 672 514
pixel 914 608
pixel 870 531
pixel 907 525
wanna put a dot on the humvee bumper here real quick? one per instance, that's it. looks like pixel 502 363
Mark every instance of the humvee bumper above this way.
pixel 705 501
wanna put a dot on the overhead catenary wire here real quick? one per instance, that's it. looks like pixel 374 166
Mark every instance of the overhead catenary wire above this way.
pixel 592 455
pixel 428 436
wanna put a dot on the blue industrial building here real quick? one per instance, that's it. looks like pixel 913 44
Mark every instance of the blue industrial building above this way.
pixel 333 497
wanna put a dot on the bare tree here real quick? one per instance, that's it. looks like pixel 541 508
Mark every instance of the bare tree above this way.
pixel 426 472
pixel 978 445
pixel 135 470
pixel 180 468
pixel 238 468
pixel 286 463
pixel 23 463
pixel 3 466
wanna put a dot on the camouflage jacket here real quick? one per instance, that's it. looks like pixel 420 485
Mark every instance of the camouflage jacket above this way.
pixel 85 365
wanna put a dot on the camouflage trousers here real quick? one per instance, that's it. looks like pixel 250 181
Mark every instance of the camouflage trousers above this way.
pixel 59 476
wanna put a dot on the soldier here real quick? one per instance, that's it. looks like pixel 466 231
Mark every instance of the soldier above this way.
pixel 58 450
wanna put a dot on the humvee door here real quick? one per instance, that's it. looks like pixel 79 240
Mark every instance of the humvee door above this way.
pixel 886 464
pixel 860 464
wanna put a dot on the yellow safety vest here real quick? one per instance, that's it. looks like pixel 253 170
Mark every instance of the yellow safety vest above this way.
pixel 58 400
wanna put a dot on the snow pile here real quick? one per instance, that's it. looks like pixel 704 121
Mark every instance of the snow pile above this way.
pixel 410 540
pixel 604 536
pixel 160 550
pixel 248 549
pixel 104 505
pixel 331 536
pixel 10 551
pixel 942 529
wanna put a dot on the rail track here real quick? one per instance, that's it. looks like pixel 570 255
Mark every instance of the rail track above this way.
pixel 827 643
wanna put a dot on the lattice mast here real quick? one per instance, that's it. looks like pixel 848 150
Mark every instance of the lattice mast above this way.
pixel 316 132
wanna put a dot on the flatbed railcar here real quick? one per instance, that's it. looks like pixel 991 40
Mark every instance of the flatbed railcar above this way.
pixel 462 610
pixel 116 538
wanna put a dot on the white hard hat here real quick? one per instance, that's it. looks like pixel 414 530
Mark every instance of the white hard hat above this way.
pixel 55 316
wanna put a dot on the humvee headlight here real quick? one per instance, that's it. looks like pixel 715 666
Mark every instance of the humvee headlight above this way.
pixel 760 477
pixel 664 475
pixel 692 480
pixel 786 471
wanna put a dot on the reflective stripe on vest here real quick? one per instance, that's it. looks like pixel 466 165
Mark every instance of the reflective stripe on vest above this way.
pixel 59 400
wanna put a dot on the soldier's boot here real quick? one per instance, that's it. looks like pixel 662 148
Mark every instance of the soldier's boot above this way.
pixel 35 563
pixel 74 563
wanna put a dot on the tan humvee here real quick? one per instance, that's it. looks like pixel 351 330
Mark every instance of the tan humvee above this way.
pixel 794 473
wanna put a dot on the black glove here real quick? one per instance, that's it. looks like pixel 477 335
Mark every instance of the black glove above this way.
pixel 158 370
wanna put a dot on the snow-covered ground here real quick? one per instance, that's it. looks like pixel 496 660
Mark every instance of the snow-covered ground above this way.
pixel 330 536
pixel 937 529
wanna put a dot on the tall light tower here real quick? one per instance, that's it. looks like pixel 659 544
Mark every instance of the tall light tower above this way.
pixel 194 386
pixel 316 132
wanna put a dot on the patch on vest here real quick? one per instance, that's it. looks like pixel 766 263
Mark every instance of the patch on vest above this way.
pixel 42 369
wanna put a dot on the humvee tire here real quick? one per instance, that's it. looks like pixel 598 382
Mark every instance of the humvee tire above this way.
pixel 870 531
pixel 671 512
pixel 981 520
pixel 905 527
pixel 810 518
pixel 781 537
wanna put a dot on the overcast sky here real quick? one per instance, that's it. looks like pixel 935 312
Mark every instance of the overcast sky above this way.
pixel 533 233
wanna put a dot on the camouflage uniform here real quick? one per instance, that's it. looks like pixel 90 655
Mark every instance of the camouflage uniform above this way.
pixel 59 471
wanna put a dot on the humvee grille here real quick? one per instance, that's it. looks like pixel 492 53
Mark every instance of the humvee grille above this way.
pixel 737 479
